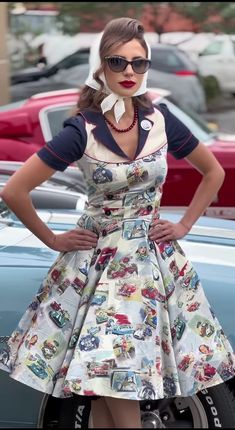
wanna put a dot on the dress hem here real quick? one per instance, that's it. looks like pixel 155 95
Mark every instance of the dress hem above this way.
pixel 117 396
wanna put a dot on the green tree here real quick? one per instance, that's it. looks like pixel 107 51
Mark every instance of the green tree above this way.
pixel 92 16
pixel 77 17
pixel 211 16
pixel 206 16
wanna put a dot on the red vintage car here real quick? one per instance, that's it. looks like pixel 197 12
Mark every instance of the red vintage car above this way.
pixel 25 126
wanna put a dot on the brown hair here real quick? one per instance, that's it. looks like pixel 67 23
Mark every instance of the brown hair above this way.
pixel 117 32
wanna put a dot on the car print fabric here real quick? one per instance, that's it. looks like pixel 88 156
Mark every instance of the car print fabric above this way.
pixel 127 319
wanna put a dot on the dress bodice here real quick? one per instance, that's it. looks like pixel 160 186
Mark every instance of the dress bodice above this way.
pixel 119 191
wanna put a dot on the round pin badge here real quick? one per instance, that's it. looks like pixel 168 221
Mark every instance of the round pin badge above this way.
pixel 146 124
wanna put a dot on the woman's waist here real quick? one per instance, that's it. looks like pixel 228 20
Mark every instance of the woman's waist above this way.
pixel 103 224
pixel 108 212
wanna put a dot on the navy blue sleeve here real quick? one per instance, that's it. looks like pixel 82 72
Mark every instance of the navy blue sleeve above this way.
pixel 67 146
pixel 180 139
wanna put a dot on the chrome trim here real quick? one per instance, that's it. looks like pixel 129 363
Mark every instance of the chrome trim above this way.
pixel 41 411
pixel 54 93
pixel 214 232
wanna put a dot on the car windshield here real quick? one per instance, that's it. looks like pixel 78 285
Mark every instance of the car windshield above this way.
pixel 193 121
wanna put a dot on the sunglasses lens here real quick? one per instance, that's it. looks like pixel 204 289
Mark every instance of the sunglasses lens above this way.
pixel 140 66
pixel 117 64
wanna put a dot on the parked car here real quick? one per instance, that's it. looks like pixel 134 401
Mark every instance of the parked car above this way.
pixel 32 74
pixel 24 261
pixel 171 69
pixel 216 63
pixel 175 71
pixel 26 126
pixel 64 190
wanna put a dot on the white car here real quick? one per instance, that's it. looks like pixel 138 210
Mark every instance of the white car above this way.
pixel 217 61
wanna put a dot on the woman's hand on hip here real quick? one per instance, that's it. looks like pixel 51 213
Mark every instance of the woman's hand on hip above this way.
pixel 79 239
pixel 162 230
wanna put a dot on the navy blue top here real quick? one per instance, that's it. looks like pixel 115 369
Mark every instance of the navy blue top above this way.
pixel 69 144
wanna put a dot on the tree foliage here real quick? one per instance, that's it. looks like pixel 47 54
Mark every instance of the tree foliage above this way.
pixel 77 17
pixel 92 16
pixel 211 16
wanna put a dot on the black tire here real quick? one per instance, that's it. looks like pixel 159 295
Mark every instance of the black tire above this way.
pixel 219 405
pixel 212 408
pixel 212 88
pixel 75 413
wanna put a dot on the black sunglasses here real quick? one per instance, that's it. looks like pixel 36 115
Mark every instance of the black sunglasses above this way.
pixel 119 64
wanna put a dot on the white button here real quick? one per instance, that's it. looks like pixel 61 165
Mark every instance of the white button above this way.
pixel 146 125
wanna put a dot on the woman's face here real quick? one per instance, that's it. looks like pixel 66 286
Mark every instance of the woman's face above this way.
pixel 125 83
pixel 142 250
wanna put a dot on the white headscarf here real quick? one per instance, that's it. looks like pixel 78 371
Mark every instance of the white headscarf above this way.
pixel 112 99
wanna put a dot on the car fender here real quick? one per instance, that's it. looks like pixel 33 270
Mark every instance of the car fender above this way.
pixel 22 150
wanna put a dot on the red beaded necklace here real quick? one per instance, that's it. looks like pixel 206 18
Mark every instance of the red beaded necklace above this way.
pixel 124 130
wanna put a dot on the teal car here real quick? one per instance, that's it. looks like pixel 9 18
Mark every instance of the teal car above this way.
pixel 24 261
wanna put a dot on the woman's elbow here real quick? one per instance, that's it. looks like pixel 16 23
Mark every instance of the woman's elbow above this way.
pixel 221 174
pixel 9 195
pixel 218 176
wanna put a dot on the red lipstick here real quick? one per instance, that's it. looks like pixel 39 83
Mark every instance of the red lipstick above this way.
pixel 127 84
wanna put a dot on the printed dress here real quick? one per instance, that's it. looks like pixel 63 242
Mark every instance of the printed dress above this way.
pixel 127 319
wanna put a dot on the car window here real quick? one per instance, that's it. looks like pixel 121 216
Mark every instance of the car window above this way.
pixel 193 121
pixel 79 57
pixel 56 117
pixel 188 64
pixel 166 60
pixel 171 60
pixel 213 48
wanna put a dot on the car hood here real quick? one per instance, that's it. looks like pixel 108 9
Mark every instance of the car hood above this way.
pixel 216 238
pixel 19 247
pixel 18 242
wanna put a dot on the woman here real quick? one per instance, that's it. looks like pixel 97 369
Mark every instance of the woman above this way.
pixel 123 324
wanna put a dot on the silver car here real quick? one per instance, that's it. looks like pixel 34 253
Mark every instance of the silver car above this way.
pixel 171 69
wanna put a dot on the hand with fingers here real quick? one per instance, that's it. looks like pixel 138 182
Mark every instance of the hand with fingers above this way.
pixel 78 239
pixel 162 230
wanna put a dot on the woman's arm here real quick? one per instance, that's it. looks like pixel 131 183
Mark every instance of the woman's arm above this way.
pixel 16 194
pixel 205 162
pixel 213 175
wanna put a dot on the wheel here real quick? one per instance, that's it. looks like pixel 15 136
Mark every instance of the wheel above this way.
pixel 211 87
pixel 211 408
